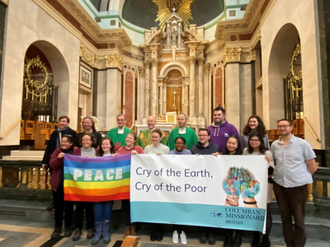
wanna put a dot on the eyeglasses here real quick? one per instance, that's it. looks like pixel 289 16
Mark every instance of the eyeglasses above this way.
pixel 254 140
pixel 283 126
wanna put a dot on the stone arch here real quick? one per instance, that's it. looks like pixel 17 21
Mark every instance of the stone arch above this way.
pixel 278 68
pixel 61 75
pixel 174 65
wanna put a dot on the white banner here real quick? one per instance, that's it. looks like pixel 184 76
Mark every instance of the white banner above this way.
pixel 226 191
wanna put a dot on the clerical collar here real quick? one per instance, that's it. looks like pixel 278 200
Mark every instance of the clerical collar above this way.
pixel 121 130
pixel 152 129
pixel 182 130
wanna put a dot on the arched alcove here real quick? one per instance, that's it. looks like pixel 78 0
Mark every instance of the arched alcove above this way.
pixel 279 61
pixel 60 71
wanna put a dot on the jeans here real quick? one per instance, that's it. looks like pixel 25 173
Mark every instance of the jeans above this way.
pixel 103 211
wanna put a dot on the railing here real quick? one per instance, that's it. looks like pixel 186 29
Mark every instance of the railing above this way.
pixel 311 130
pixel 10 129
pixel 321 187
pixel 24 180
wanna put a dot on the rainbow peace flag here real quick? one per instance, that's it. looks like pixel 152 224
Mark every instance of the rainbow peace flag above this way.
pixel 97 179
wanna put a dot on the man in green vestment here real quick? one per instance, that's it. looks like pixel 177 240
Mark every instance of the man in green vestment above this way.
pixel 118 134
pixel 183 131
pixel 144 138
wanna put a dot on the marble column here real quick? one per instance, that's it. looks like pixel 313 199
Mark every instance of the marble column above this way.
pixel 161 96
pixel 179 36
pixel 207 101
pixel 3 8
pixel 140 95
pixel 164 98
pixel 200 88
pixel 146 88
pixel 192 87
pixel 186 90
pixel 168 36
pixel 233 100
pixel 154 84
pixel 323 7
pixel 112 97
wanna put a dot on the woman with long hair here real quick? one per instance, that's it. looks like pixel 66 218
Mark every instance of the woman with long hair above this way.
pixel 103 210
pixel 255 124
pixel 88 126
pixel 256 146
pixel 233 148
pixel 87 150
pixel 57 181
pixel 129 147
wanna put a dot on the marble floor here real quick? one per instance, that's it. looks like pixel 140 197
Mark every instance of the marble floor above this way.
pixel 15 232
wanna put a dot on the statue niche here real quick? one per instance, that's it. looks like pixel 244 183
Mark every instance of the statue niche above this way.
pixel 173 83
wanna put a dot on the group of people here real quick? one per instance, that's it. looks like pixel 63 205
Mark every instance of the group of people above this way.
pixel 291 165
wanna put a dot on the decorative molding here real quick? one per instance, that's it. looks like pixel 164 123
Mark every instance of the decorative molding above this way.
pixel 232 54
pixel 113 61
pixel 88 56
pixel 207 67
pixel 141 72
pixel 252 54
pixel 245 26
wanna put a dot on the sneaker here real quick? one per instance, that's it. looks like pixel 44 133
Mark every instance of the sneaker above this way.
pixel 183 238
pixel 76 235
pixel 202 238
pixel 175 237
pixel 211 238
pixel 56 233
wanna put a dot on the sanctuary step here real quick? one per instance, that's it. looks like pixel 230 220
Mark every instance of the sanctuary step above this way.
pixel 34 214
pixel 35 155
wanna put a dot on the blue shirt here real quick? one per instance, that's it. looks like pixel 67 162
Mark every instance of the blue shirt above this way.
pixel 290 162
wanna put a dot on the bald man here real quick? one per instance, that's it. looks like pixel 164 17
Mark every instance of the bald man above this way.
pixel 144 138
pixel 182 131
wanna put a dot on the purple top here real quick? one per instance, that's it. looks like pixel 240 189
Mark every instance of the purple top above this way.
pixel 184 151
pixel 220 134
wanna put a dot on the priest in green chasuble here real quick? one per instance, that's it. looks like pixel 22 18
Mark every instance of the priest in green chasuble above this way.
pixel 182 131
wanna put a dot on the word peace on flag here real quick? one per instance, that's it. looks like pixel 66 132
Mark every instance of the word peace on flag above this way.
pixel 96 179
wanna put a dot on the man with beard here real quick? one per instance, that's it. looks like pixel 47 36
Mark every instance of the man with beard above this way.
pixel 221 130
pixel 183 131
pixel 294 166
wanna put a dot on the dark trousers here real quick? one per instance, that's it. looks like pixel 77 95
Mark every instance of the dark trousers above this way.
pixel 292 202
pixel 126 207
pixel 89 208
pixel 61 206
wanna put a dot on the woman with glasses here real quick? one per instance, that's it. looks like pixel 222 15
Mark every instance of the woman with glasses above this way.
pixel 255 124
pixel 256 146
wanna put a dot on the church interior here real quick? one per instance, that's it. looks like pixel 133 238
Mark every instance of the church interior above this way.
pixel 159 58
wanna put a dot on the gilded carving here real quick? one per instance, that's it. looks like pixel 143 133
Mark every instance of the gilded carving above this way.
pixel 252 54
pixel 232 54
pixel 88 56
pixel 207 67
pixel 167 7
pixel 113 60
pixel 34 86
pixel 141 72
